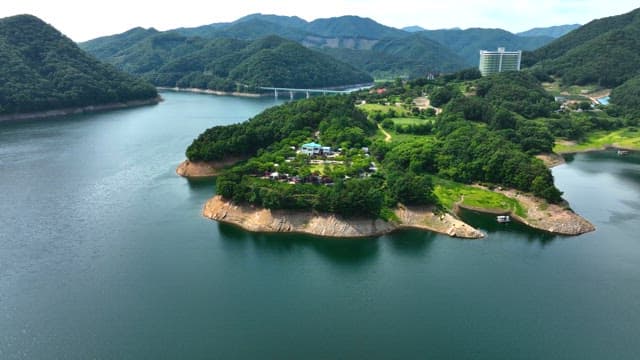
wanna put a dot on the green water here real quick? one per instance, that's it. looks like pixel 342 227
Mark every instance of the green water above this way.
pixel 104 254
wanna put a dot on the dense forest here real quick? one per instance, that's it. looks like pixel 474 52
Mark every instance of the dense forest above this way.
pixel 44 70
pixel 487 134
pixel 605 52
pixel 172 59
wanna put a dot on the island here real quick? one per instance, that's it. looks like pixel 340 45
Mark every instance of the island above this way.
pixel 409 154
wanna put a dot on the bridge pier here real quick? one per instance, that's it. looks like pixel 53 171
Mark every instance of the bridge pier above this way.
pixel 307 94
pixel 275 93
pixel 290 95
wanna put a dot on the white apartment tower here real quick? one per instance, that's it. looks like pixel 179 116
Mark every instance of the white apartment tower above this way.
pixel 492 62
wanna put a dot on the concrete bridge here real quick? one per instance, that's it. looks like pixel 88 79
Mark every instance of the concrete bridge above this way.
pixel 308 92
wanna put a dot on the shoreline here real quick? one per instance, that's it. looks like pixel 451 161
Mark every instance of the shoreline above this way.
pixel 79 110
pixel 212 92
pixel 203 169
pixel 256 219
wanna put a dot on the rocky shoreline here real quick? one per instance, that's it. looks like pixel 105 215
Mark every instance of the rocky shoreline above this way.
pixel 203 169
pixel 79 110
pixel 212 92
pixel 330 225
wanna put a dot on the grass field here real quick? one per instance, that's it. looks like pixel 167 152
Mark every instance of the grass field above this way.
pixel 370 109
pixel 449 192
pixel 410 121
pixel 628 138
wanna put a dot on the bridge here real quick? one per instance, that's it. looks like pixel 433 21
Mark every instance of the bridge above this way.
pixel 308 92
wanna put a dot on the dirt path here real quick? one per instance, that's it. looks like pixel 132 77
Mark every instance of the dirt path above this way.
pixel 387 136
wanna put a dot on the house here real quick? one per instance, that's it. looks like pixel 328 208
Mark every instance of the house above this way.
pixel 311 149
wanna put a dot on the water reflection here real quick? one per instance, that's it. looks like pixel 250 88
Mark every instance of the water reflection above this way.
pixel 488 224
pixel 339 251
pixel 412 243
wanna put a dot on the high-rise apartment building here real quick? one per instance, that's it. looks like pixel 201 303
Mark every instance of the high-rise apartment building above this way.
pixel 492 62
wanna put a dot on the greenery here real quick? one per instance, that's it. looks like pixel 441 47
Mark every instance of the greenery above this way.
pixel 292 120
pixel 605 52
pixel 450 193
pixel 468 43
pixel 172 59
pixel 44 70
pixel 628 138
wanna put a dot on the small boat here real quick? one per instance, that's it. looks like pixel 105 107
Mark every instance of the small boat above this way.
pixel 623 152
pixel 503 218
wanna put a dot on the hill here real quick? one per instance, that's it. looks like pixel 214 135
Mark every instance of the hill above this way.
pixel 44 70
pixel 551 31
pixel 605 52
pixel 172 59
pixel 468 43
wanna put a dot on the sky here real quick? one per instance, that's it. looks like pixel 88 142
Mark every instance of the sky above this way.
pixel 88 19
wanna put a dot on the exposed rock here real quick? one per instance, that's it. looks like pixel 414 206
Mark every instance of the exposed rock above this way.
pixel 551 159
pixel 330 225
pixel 203 169
pixel 553 218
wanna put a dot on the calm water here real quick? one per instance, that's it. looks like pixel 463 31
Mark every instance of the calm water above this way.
pixel 104 254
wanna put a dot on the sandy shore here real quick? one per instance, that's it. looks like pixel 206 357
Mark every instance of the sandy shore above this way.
pixel 330 225
pixel 79 110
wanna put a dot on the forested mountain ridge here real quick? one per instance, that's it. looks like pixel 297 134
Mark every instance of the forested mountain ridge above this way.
pixel 44 70
pixel 468 43
pixel 172 59
pixel 380 50
pixel 605 52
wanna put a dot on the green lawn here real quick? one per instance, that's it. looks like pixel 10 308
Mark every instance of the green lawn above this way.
pixel 628 138
pixel 449 192
pixel 370 109
pixel 410 121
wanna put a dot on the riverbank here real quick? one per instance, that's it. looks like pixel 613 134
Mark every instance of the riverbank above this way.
pixel 213 92
pixel 330 225
pixel 79 110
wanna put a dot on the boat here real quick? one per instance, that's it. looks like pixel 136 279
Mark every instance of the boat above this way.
pixel 503 218
pixel 623 152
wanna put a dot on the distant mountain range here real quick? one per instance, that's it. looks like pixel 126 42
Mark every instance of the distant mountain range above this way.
pixel 379 50
pixel 552 31
pixel 42 70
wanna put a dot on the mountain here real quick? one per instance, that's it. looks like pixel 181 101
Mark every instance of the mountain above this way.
pixel 552 31
pixel 468 43
pixel 414 28
pixel 411 56
pixel 44 70
pixel 172 59
pixel 353 27
pixel 604 52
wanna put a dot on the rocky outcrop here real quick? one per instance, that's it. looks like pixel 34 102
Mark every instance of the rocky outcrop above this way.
pixel 203 169
pixel 330 225
pixel 553 218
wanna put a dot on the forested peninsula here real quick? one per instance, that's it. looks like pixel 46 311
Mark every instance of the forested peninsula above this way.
pixel 384 155
pixel 44 73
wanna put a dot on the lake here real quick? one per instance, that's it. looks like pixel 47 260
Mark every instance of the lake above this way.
pixel 104 254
